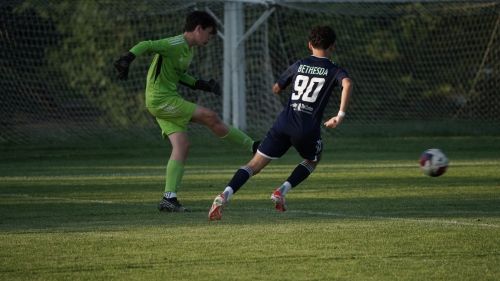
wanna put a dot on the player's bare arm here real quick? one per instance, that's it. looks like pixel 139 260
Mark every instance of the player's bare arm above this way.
pixel 347 88
pixel 276 89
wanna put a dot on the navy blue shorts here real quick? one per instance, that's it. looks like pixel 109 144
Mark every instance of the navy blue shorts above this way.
pixel 276 144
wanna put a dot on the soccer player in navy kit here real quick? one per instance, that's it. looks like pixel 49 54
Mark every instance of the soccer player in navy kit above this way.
pixel 312 81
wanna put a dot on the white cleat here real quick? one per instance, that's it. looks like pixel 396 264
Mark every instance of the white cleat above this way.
pixel 215 213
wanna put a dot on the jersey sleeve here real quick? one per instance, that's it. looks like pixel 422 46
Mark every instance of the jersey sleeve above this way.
pixel 341 75
pixel 188 79
pixel 287 76
pixel 158 46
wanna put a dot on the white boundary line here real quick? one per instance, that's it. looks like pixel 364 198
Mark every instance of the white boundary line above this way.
pixel 327 214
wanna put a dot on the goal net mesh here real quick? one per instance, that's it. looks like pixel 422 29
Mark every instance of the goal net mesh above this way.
pixel 418 67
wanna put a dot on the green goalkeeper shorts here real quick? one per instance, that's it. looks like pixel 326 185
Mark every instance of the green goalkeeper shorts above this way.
pixel 173 116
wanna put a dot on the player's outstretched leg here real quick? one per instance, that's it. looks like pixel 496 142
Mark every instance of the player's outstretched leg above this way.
pixel 209 118
pixel 240 139
pixel 278 200
pixel 217 208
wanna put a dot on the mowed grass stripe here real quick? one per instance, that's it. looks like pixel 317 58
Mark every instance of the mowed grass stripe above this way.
pixel 328 214
pixel 201 170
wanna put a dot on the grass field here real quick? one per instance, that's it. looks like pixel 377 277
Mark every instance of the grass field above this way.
pixel 366 213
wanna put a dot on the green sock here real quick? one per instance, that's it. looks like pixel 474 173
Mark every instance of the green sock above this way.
pixel 239 138
pixel 175 171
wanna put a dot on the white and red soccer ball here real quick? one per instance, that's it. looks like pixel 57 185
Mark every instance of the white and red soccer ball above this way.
pixel 433 162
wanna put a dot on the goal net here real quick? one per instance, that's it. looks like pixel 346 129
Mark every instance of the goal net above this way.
pixel 418 67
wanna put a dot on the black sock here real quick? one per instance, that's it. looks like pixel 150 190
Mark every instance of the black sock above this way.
pixel 240 178
pixel 300 173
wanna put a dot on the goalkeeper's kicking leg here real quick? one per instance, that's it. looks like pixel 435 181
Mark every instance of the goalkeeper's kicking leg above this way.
pixel 180 146
pixel 207 117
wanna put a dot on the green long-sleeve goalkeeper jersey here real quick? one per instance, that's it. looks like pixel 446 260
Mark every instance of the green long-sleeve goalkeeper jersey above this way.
pixel 169 66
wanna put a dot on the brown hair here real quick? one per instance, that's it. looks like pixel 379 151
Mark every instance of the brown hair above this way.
pixel 322 37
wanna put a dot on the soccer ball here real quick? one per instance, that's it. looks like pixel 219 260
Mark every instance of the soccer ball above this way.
pixel 433 162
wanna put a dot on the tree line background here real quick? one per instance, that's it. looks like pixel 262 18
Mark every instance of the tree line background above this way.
pixel 412 63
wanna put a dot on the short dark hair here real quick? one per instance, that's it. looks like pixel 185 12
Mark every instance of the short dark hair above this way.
pixel 322 37
pixel 195 18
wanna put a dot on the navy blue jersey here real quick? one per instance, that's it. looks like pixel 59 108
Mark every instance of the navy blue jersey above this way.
pixel 313 80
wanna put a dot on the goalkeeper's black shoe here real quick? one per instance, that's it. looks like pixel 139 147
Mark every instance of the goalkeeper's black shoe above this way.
pixel 255 146
pixel 171 205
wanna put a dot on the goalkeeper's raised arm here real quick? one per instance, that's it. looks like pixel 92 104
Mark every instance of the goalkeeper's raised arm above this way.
pixel 123 65
pixel 167 76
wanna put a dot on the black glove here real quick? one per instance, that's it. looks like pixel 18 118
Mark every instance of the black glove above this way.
pixel 123 64
pixel 208 86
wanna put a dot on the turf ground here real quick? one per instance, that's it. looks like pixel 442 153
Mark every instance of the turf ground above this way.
pixel 366 213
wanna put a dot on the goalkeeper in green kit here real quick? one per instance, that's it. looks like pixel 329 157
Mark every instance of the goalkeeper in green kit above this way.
pixel 168 68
